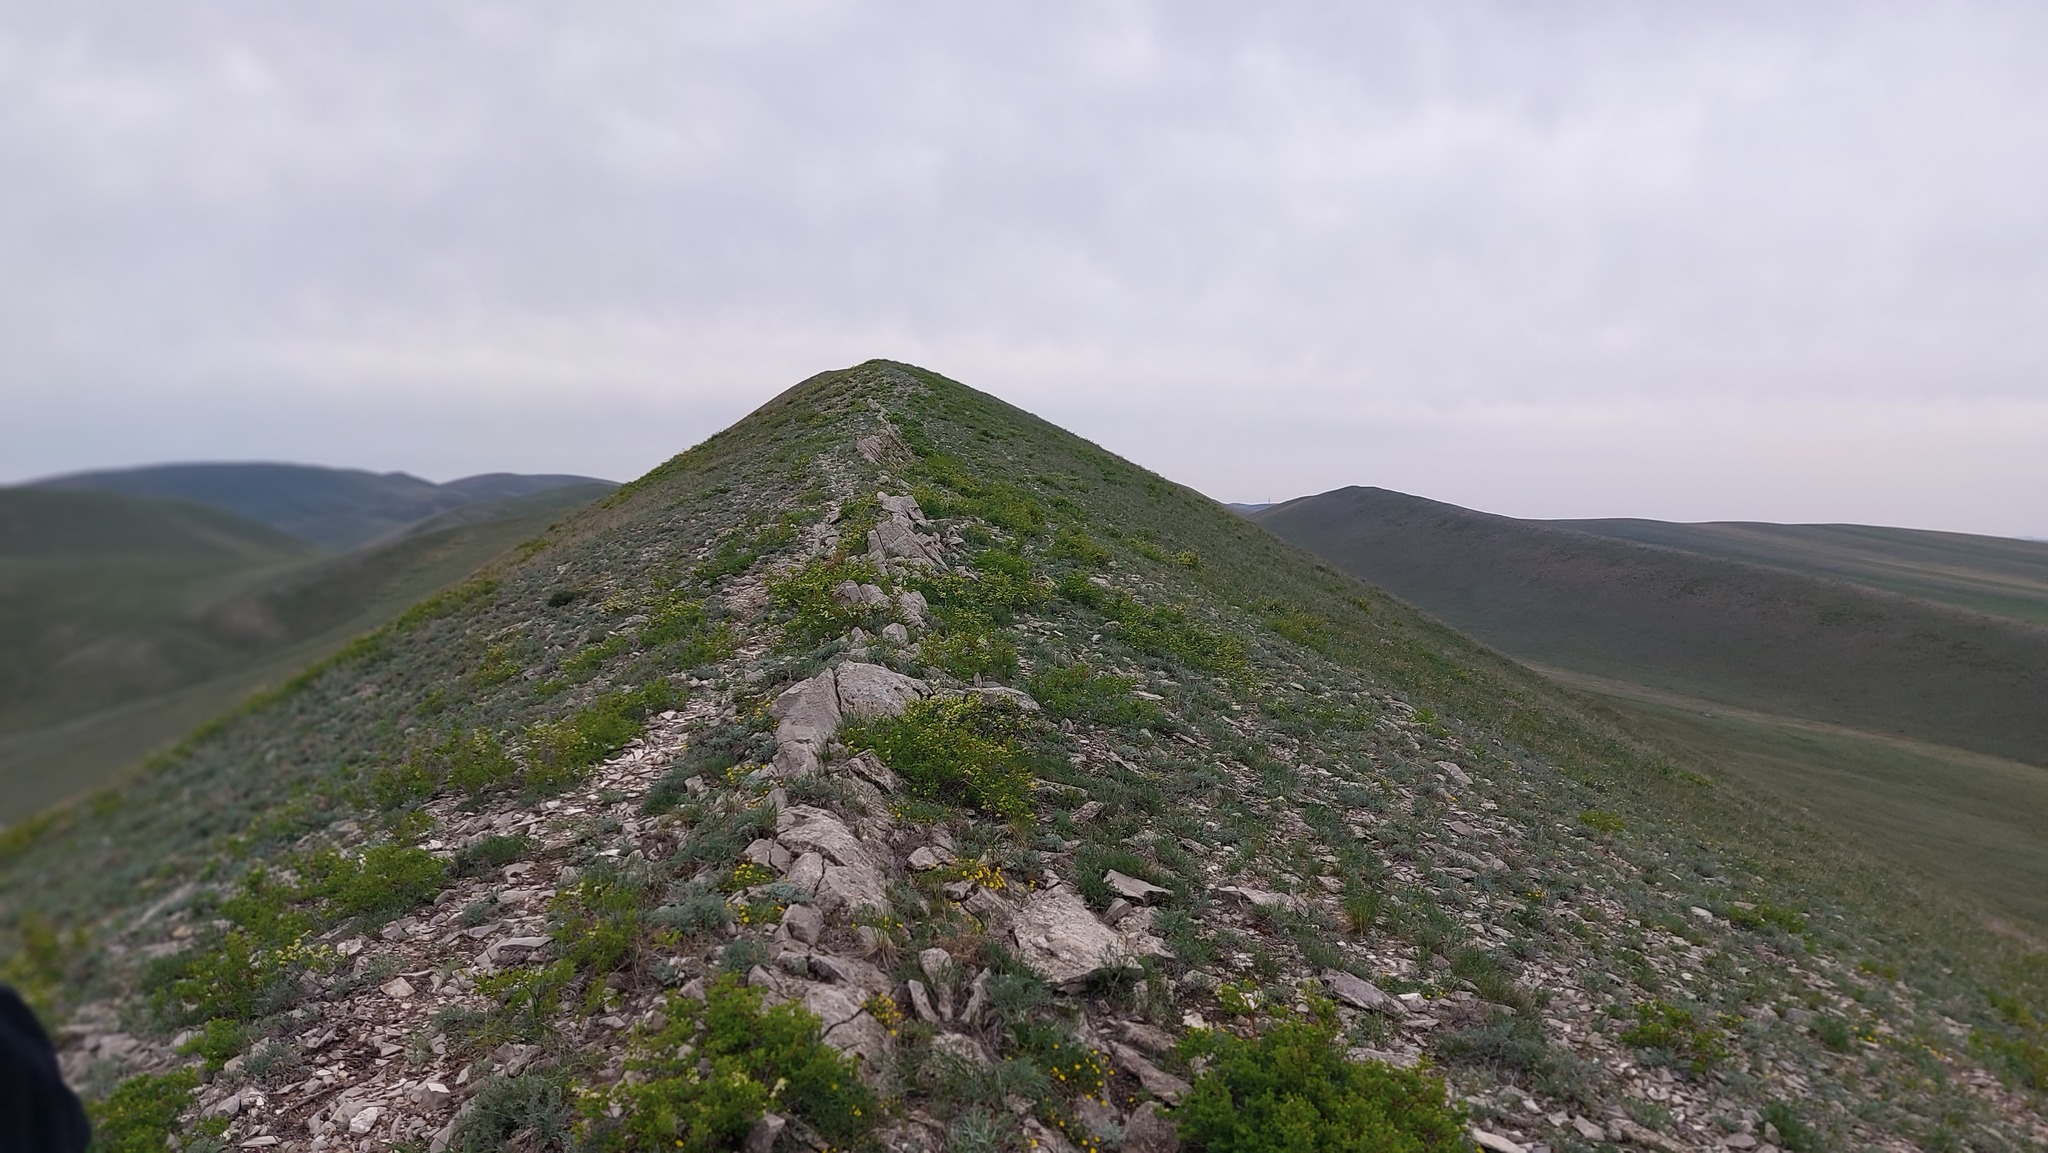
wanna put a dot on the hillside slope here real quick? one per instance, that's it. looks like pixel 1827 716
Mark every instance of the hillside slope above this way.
pixel 1981 573
pixel 1694 625
pixel 1047 803
pixel 133 620
pixel 330 508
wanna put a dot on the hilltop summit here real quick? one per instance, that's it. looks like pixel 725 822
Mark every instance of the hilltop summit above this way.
pixel 896 770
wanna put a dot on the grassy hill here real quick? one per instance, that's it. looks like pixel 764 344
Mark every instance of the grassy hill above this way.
pixel 1908 723
pixel 935 779
pixel 1986 574
pixel 1694 625
pixel 333 509
pixel 126 621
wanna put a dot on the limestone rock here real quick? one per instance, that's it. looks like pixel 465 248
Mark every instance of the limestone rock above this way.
pixel 867 690
pixel 1358 993
pixel 1134 890
pixel 1495 1143
pixel 765 1133
pixel 804 923
pixel 896 540
pixel 1255 898
pixel 913 606
pixel 901 506
pixel 1457 775
pixel 1156 1081
pixel 868 767
pixel 807 713
pixel 961 1047
pixel 1062 941
pixel 1145 1131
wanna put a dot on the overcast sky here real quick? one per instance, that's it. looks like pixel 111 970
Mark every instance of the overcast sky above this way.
pixel 1766 261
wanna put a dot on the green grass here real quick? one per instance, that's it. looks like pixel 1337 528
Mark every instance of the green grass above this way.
pixel 1970 822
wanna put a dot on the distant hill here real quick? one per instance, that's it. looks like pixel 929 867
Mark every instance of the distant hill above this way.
pixel 1902 720
pixel 1986 573
pixel 332 508
pixel 1742 634
pixel 125 620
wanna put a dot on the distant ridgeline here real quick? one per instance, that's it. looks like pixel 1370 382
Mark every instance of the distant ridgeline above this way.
pixel 329 508
pixel 896 770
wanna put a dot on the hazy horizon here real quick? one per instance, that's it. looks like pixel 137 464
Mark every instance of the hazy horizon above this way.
pixel 1746 263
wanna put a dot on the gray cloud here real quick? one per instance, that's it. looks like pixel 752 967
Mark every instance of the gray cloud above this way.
pixel 1579 259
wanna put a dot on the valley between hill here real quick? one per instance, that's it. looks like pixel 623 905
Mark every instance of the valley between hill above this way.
pixel 895 770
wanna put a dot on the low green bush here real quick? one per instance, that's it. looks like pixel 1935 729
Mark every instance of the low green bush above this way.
pixel 532 1111
pixel 1291 1091
pixel 1075 692
pixel 704 1078
pixel 599 919
pixel 810 613
pixel 493 852
pixel 216 1041
pixel 1764 915
pixel 561 753
pixel 1676 1031
pixel 970 649
pixel 139 1116
pixel 959 751
pixel 1601 821
pixel 1794 1133
pixel 385 881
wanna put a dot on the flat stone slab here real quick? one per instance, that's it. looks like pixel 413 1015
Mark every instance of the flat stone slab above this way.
pixel 1061 940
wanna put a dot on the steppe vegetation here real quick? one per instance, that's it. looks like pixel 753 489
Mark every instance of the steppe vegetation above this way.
pixel 1112 822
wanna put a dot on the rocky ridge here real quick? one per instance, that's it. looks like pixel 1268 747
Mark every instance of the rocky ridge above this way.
pixel 1203 858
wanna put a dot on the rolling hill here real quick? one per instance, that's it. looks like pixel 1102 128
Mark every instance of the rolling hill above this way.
pixel 125 621
pixel 1986 574
pixel 896 770
pixel 1908 722
pixel 330 508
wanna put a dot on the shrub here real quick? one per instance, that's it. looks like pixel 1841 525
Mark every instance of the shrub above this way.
pixel 216 1041
pixel 477 761
pixel 971 650
pixel 385 881
pixel 532 1106
pixel 396 786
pixel 813 614
pixel 1794 1134
pixel 1290 1091
pixel 560 753
pixel 1074 692
pixel 1072 544
pixel 493 852
pixel 1834 1032
pixel 495 669
pixel 138 1116
pixel 1601 821
pixel 1766 915
pixel 717 1065
pixel 961 751
pixel 1670 1029
pixel 600 924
